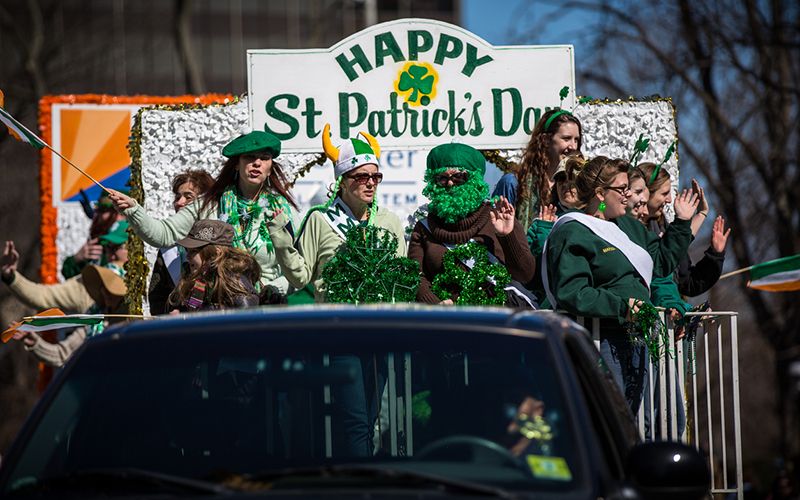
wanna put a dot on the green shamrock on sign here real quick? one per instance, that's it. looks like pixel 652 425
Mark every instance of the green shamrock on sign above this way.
pixel 414 79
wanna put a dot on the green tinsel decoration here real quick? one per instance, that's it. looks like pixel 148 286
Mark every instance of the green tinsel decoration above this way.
pixel 648 328
pixel 366 269
pixel 483 285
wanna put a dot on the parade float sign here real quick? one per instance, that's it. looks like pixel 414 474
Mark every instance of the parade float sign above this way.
pixel 413 84
pixel 93 131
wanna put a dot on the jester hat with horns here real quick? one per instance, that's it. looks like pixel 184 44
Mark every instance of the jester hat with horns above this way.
pixel 352 153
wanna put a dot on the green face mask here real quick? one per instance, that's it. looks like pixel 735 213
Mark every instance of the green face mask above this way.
pixel 453 203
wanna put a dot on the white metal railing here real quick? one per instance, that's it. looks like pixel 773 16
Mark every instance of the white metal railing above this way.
pixel 699 378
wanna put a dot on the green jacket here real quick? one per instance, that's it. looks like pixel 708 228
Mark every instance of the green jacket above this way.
pixel 589 277
pixel 302 262
pixel 166 232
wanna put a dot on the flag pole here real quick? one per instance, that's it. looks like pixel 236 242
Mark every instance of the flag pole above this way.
pixel 734 273
pixel 75 166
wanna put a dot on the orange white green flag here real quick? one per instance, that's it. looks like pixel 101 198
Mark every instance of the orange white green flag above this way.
pixel 779 275
pixel 17 129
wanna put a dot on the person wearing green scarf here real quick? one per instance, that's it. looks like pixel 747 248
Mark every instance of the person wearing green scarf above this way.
pixel 248 192
pixel 352 202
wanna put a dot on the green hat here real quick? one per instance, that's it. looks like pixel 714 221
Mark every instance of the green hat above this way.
pixel 458 156
pixel 117 234
pixel 251 143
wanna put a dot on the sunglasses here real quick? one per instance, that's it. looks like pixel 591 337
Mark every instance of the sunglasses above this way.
pixel 457 178
pixel 250 158
pixel 365 178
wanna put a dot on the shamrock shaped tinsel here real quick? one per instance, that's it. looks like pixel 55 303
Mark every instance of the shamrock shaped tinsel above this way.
pixel 482 285
pixel 367 270
pixel 648 328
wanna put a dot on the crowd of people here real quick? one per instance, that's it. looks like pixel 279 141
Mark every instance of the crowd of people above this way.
pixel 587 236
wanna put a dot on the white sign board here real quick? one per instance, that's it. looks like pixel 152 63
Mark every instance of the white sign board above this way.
pixel 413 84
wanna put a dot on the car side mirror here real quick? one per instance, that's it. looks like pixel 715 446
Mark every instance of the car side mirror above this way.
pixel 666 469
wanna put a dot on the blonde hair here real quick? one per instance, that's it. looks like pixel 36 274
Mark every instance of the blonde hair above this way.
pixel 662 176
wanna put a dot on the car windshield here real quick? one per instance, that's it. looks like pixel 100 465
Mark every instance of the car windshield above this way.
pixel 488 409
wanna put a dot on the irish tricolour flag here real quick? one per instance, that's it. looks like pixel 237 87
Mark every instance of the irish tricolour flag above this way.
pixel 18 130
pixel 779 275
pixel 51 319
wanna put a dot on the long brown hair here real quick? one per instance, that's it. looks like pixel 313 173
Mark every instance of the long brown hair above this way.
pixel 200 179
pixel 221 271
pixel 536 158
pixel 594 174
pixel 227 177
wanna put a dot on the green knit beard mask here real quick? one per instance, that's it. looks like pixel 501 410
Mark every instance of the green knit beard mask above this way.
pixel 456 202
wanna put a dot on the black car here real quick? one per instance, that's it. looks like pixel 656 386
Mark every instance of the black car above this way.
pixel 345 401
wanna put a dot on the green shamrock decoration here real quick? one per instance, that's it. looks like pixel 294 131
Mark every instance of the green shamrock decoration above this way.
pixel 482 284
pixel 414 79
pixel 366 269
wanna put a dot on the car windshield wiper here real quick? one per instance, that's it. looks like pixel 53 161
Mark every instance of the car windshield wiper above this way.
pixel 118 480
pixel 397 477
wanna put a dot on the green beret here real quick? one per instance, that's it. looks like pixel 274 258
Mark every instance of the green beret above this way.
pixel 117 234
pixel 253 142
pixel 458 156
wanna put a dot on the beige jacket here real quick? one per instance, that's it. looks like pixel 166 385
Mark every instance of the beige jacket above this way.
pixel 70 296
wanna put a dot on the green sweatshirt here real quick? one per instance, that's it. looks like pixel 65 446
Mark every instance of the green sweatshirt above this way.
pixel 590 277
pixel 316 245
pixel 166 232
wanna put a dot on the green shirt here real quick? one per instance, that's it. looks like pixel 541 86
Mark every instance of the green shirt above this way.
pixel 317 243
pixel 590 277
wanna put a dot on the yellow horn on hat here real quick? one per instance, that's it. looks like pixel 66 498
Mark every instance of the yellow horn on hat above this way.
pixel 373 143
pixel 330 150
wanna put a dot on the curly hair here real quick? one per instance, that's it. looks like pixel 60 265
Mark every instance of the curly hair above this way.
pixel 198 178
pixel 536 158
pixel 593 175
pixel 222 270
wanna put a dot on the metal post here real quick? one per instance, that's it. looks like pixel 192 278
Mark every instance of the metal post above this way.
pixel 326 398
pixel 737 424
pixel 409 408
pixel 390 382
pixel 708 410
pixel 723 435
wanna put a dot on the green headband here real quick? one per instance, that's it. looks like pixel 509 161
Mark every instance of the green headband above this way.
pixel 554 116
pixel 667 156
pixel 563 93
pixel 642 143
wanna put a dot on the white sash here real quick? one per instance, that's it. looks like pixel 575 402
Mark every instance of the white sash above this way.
pixel 339 217
pixel 609 232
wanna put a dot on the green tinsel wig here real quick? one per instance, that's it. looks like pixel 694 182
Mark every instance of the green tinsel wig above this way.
pixel 453 203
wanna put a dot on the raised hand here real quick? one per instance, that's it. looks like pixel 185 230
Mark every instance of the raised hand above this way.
pixel 719 236
pixel 702 205
pixel 686 204
pixel 91 250
pixel 502 217
pixel 9 260
pixel 547 213
pixel 121 201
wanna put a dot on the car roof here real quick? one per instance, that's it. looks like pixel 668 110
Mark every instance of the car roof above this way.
pixel 501 321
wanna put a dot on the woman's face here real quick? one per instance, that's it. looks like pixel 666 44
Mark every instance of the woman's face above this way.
pixel 358 185
pixel 254 169
pixel 194 259
pixel 563 142
pixel 185 194
pixel 658 199
pixel 639 193
pixel 616 196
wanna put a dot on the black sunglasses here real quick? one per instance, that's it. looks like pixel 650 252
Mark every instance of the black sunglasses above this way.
pixel 251 157
pixel 457 178
pixel 365 178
